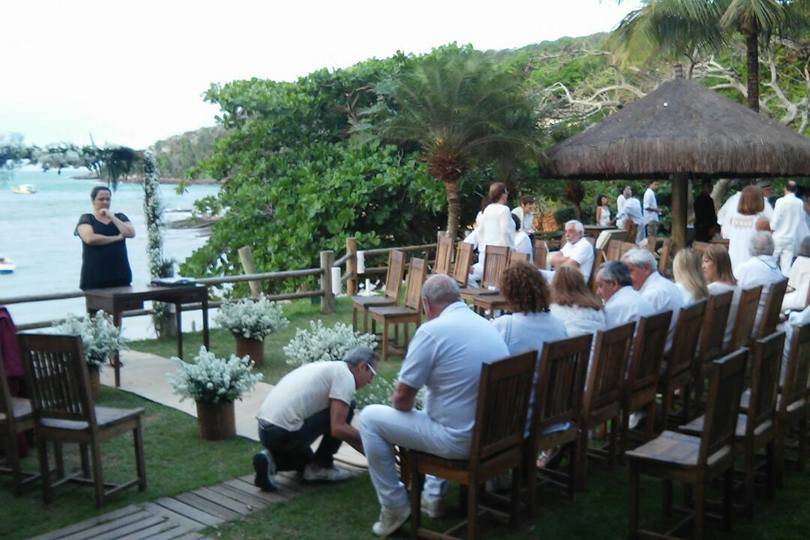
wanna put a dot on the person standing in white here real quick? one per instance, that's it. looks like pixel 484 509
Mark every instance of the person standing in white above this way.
pixel 623 304
pixel 661 293
pixel 732 202
pixel 741 224
pixel 789 225
pixel 577 251
pixel 620 200
pixel 760 269
pixel 651 210
pixel 495 228
pixel 445 356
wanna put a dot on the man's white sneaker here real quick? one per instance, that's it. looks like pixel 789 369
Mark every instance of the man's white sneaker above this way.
pixel 314 473
pixel 432 507
pixel 391 519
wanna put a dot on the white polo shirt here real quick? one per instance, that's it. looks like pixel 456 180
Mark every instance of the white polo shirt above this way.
pixel 650 202
pixel 626 305
pixel 663 295
pixel 761 270
pixel 582 252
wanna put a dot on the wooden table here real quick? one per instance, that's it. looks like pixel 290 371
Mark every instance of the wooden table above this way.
pixel 116 300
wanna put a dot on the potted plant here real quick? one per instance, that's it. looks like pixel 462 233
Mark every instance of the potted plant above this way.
pixel 214 384
pixel 320 344
pixel 100 339
pixel 250 321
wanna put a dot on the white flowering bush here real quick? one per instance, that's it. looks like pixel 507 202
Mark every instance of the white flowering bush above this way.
pixel 379 392
pixel 213 380
pixel 322 344
pixel 100 336
pixel 251 319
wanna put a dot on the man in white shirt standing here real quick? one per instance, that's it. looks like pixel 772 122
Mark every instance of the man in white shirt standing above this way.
pixel 623 304
pixel 620 200
pixel 576 252
pixel 661 293
pixel 311 401
pixel 651 211
pixel 445 355
pixel 789 225
pixel 760 269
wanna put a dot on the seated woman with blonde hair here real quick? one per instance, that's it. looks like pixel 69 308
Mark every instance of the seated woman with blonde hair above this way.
pixel 686 267
pixel 573 302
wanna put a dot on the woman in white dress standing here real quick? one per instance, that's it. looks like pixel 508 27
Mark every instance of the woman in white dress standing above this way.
pixel 602 211
pixel 495 227
pixel 740 225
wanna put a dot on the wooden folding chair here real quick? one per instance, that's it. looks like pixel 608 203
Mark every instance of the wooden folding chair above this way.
pixel 487 304
pixel 411 312
pixel 602 398
pixel 64 412
pixel 746 315
pixel 712 336
pixel 496 448
pixel 461 270
pixel 792 408
pixel 694 461
pixel 663 258
pixel 393 282
pixel 16 417
pixel 495 261
pixel 540 254
pixel 444 254
pixel 772 308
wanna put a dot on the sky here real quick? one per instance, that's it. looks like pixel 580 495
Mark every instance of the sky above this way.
pixel 132 72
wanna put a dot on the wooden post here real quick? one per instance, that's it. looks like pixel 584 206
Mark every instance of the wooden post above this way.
pixel 328 299
pixel 246 258
pixel 351 266
pixel 680 184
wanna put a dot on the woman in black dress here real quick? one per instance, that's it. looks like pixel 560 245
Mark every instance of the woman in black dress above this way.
pixel 104 253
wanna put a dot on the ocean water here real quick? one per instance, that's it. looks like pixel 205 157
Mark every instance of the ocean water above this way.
pixel 36 232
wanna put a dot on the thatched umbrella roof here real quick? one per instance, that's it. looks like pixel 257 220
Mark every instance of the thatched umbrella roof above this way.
pixel 681 128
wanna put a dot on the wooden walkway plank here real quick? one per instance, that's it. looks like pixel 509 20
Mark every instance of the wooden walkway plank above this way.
pixel 290 480
pixel 107 525
pixel 130 530
pixel 195 501
pixel 269 496
pixel 175 531
pixel 89 523
pixel 175 517
pixel 223 500
pixel 256 502
pixel 189 512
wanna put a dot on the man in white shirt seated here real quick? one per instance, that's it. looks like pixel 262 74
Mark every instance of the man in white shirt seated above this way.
pixel 576 252
pixel 445 355
pixel 789 226
pixel 311 401
pixel 651 210
pixel 623 304
pixel 661 293
pixel 760 269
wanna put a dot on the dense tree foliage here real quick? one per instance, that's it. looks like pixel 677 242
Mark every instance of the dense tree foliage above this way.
pixel 178 156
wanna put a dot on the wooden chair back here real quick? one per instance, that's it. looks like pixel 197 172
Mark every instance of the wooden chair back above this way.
pixel 57 377
pixel 794 386
pixel 766 359
pixel 494 264
pixel 632 229
pixel 772 308
pixel 663 259
pixel 444 254
pixel 652 244
pixel 648 352
pixel 684 355
pixel 726 381
pixel 700 247
pixel 606 374
pixel 540 254
pixel 746 315
pixel 395 274
pixel 461 270
pixel 625 247
pixel 503 405
pixel 517 256
pixel 714 326
pixel 560 383
pixel 598 260
pixel 416 277
pixel 614 250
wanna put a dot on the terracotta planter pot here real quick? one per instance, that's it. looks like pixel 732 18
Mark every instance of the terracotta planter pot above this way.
pixel 216 421
pixel 95 383
pixel 250 347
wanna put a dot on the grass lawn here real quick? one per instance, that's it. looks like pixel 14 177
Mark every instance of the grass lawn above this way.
pixel 177 460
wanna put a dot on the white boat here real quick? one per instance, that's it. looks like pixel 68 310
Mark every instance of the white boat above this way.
pixel 24 189
pixel 7 266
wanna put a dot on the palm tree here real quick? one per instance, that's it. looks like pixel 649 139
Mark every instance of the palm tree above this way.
pixel 461 108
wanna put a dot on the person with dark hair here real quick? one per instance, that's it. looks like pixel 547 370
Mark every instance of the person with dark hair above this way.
pixel 705 215
pixel 623 304
pixel 494 228
pixel 574 304
pixel 651 210
pixel 602 211
pixel 314 400
pixel 525 214
pixel 104 251
pixel 523 243
pixel 789 226
pixel 716 267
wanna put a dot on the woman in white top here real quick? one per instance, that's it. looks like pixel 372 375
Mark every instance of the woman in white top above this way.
pixel 572 302
pixel 494 227
pixel 687 269
pixel 740 225
pixel 602 211
pixel 716 266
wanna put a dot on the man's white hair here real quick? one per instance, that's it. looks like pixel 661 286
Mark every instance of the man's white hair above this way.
pixel 578 226
pixel 441 290
pixel 639 258
pixel 761 244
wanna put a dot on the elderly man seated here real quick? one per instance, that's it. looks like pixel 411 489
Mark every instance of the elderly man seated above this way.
pixel 661 293
pixel 761 269
pixel 445 355
pixel 576 252
pixel 623 304
pixel 311 401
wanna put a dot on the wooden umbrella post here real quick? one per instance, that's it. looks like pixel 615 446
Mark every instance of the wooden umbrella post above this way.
pixel 680 185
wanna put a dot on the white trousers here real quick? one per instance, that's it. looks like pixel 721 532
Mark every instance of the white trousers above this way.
pixel 783 251
pixel 381 427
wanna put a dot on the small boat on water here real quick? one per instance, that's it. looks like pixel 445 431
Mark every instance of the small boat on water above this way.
pixel 7 266
pixel 24 189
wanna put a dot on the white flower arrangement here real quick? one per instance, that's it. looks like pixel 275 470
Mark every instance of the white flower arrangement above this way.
pixel 213 380
pixel 251 319
pixel 322 344
pixel 100 337
pixel 379 392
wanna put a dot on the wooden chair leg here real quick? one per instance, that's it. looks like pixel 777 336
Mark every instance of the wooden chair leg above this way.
pixel 98 475
pixel 472 509
pixel 384 340
pixel 582 456
pixel 612 442
pixel 13 458
pixel 770 478
pixel 85 459
pixel 700 510
pixel 416 499
pixel 407 339
pixel 530 471
pixel 632 503
pixel 140 464
pixel 728 498
pixel 666 498
pixel 44 468
pixel 514 503
pixel 748 464
pixel 59 458
pixel 354 319
pixel 803 440
pixel 623 434
pixel 573 457
pixel 780 451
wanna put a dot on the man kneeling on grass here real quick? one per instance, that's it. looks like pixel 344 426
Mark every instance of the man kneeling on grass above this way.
pixel 311 401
